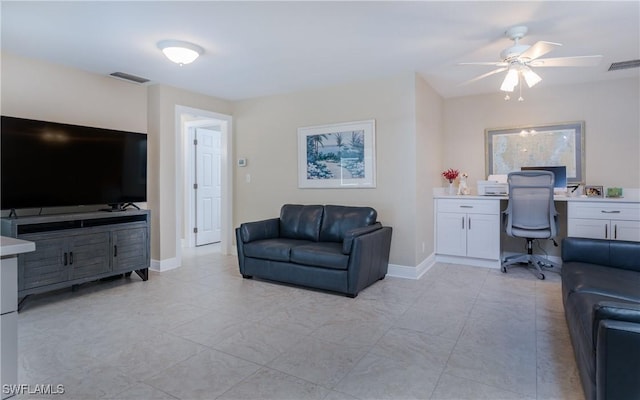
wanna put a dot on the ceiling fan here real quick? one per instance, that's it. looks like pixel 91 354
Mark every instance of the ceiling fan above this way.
pixel 520 59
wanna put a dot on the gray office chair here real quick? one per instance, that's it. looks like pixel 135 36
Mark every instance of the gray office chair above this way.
pixel 531 214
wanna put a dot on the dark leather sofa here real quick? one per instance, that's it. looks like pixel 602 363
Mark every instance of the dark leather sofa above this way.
pixel 336 248
pixel 601 296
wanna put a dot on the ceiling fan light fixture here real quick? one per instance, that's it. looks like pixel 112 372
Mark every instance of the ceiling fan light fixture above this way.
pixel 531 77
pixel 510 81
pixel 180 52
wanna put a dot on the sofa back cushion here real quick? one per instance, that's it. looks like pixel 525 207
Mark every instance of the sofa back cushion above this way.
pixel 338 220
pixel 610 253
pixel 300 222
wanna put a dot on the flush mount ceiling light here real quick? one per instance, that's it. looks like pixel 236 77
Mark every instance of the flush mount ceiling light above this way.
pixel 180 52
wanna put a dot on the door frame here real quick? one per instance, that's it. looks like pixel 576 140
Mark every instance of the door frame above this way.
pixel 188 118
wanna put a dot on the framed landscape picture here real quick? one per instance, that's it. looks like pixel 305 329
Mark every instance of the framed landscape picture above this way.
pixel 337 155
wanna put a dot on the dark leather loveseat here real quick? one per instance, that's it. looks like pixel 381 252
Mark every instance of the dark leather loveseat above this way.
pixel 335 248
pixel 601 296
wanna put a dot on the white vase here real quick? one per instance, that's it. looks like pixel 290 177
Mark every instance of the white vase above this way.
pixel 452 189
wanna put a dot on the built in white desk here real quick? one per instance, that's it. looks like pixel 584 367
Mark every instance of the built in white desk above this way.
pixel 468 228
pixel 9 250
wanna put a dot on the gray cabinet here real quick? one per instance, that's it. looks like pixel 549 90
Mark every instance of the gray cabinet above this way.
pixel 129 249
pixel 77 248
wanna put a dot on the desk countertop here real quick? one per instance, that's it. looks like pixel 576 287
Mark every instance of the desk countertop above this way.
pixel 631 196
pixel 11 246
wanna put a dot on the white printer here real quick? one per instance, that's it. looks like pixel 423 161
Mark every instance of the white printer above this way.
pixel 495 185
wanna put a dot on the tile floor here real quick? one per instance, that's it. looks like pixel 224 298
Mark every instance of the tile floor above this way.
pixel 203 332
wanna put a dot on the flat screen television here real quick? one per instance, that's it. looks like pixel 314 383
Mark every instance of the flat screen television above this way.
pixel 48 164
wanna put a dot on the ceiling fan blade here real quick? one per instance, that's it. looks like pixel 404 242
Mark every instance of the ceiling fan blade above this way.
pixel 577 61
pixel 539 49
pixel 494 63
pixel 477 78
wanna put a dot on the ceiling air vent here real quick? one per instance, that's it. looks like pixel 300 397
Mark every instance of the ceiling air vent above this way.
pixel 624 65
pixel 129 77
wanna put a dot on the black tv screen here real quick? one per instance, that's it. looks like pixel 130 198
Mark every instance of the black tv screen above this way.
pixel 48 164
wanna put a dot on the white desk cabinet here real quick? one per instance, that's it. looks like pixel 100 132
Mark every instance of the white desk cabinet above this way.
pixel 468 228
pixel 604 220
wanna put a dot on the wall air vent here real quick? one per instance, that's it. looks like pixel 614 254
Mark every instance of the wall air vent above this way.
pixel 624 65
pixel 129 77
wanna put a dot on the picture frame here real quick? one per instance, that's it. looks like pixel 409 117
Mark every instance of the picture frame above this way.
pixel 337 156
pixel 593 191
pixel 614 192
pixel 509 149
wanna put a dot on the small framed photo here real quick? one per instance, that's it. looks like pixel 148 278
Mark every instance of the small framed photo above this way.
pixel 614 192
pixel 593 191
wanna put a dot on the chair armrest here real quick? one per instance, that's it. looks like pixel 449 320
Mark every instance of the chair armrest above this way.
pixel 351 234
pixel 618 360
pixel 612 310
pixel 260 230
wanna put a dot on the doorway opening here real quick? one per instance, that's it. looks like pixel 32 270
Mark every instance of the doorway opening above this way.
pixel 205 179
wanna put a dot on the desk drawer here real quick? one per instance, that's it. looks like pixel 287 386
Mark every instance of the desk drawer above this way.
pixel 469 206
pixel 604 210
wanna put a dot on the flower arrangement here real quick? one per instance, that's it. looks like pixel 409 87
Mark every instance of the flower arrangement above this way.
pixel 450 174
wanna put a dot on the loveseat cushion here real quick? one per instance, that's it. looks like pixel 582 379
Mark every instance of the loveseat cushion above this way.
pixel 300 221
pixel 272 249
pixel 614 253
pixel 338 220
pixel 321 254
pixel 616 283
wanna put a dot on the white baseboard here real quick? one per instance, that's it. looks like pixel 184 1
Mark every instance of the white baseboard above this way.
pixel 164 265
pixel 407 272
pixel 476 262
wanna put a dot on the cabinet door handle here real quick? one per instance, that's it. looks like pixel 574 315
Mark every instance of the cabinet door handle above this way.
pixel 462 222
pixel 606 231
pixel 469 225
pixel 466 206
pixel 65 259
pixel 115 250
pixel 615 231
pixel 71 258
pixel 610 212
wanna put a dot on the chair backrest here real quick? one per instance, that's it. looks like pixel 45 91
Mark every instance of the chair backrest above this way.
pixel 531 204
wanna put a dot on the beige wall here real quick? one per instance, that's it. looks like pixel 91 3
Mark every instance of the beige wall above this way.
pixel 165 167
pixel 266 134
pixel 50 92
pixel 429 142
pixel 609 110
pixel 612 132
pixel 418 134
pixel 45 91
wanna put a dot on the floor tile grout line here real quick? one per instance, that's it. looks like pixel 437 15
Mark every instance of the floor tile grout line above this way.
pixel 466 320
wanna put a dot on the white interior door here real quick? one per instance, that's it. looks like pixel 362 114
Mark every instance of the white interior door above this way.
pixel 208 186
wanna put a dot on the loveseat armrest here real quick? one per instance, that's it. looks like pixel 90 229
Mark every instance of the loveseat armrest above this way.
pixel 614 311
pixel 369 259
pixel 260 230
pixel 618 360
pixel 347 242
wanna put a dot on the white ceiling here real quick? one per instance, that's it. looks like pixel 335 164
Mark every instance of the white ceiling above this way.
pixel 256 49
